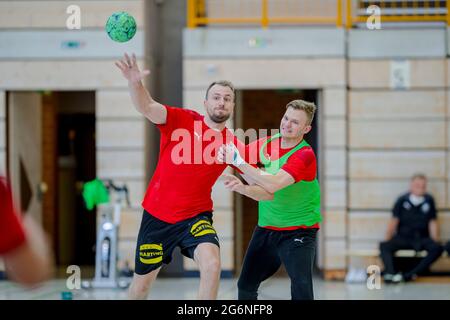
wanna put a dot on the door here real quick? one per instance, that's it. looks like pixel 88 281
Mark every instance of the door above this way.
pixel 263 109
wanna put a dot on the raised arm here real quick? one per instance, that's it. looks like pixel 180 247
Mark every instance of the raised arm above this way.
pixel 142 100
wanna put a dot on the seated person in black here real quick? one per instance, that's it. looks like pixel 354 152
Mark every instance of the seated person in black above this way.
pixel 413 226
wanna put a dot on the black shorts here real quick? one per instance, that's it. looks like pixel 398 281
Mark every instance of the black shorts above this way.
pixel 157 239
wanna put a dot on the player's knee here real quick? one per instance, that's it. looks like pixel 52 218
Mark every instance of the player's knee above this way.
pixel 141 285
pixel 207 257
pixel 138 292
pixel 211 266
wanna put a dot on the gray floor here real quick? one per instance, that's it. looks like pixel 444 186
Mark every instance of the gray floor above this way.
pixel 274 288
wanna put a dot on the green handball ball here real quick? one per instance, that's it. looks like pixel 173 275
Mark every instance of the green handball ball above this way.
pixel 121 27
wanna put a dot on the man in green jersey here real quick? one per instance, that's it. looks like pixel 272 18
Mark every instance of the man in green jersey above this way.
pixel 289 203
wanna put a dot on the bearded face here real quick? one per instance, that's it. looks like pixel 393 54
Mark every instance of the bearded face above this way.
pixel 219 104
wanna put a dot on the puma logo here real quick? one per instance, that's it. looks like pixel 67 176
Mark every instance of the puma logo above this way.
pixel 300 240
pixel 197 135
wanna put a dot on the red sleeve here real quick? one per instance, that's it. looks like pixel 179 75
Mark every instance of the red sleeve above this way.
pixel 12 234
pixel 176 118
pixel 301 165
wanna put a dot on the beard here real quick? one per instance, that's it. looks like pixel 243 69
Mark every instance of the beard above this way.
pixel 219 118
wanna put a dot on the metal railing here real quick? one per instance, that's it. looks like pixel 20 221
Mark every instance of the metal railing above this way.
pixel 263 12
pixel 398 11
pixel 312 12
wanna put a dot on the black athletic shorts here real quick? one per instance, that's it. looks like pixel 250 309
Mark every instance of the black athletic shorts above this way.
pixel 157 239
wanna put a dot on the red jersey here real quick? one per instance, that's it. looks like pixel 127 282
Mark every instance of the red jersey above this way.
pixel 301 165
pixel 187 167
pixel 12 234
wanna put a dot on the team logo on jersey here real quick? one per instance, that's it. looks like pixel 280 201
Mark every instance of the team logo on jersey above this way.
pixel 425 208
pixel 202 227
pixel 151 253
pixel 198 136
pixel 406 205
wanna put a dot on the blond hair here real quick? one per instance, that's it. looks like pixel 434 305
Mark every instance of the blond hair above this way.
pixel 419 175
pixel 308 107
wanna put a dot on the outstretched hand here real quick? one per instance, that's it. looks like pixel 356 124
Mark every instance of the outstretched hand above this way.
pixel 130 69
pixel 233 183
pixel 229 154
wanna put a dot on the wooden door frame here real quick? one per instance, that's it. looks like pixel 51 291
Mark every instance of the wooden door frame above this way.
pixel 48 164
